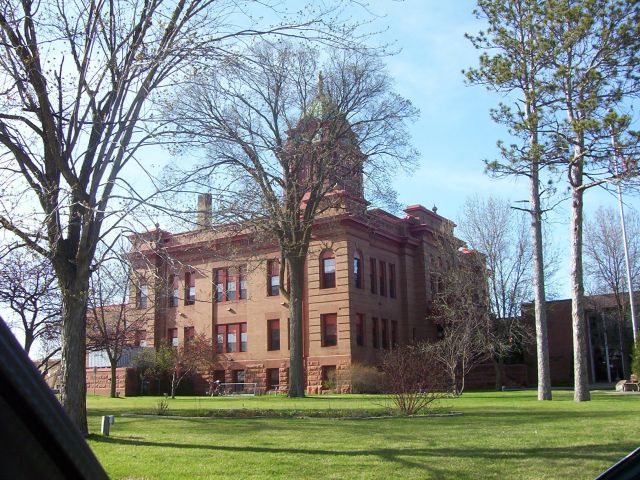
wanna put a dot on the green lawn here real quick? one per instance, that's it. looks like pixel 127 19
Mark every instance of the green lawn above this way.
pixel 499 435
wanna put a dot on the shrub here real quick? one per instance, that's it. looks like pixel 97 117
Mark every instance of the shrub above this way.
pixel 414 379
pixel 366 379
pixel 162 407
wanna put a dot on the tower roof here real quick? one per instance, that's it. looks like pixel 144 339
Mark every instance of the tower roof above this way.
pixel 322 107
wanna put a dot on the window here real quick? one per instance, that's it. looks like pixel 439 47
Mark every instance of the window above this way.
pixel 273 334
pixel 288 334
pixel 329 377
pixel 329 323
pixel 230 284
pixel 374 332
pixel 174 293
pixel 231 338
pixel 189 335
pixel 140 339
pixel 394 334
pixel 383 279
pixel 173 337
pixel 392 280
pixel 273 278
pixel 242 280
pixel 373 275
pixel 243 337
pixel 189 288
pixel 221 331
pixel 142 294
pixel 220 281
pixel 273 378
pixel 359 329
pixel 357 269
pixel 238 377
pixel 327 269
pixel 385 333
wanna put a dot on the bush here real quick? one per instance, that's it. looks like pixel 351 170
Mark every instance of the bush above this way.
pixel 414 379
pixel 162 407
pixel 366 379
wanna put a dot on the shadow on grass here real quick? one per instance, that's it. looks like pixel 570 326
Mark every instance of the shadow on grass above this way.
pixel 605 452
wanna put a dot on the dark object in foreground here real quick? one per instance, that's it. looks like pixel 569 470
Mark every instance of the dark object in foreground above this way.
pixel 626 469
pixel 38 439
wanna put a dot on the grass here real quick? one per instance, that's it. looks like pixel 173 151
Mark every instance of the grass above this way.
pixel 499 435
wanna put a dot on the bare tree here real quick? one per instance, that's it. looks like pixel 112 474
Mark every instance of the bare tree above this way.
pixel 195 354
pixel 501 234
pixel 605 267
pixel 28 289
pixel 74 116
pixel 460 310
pixel 109 327
pixel 293 149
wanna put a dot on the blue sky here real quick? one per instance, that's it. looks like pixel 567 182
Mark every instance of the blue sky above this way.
pixel 454 133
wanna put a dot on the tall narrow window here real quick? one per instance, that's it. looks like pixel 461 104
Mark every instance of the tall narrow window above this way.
pixel 221 332
pixel 243 337
pixel 242 279
pixel 220 281
pixel 273 278
pixel 373 275
pixel 392 280
pixel 357 269
pixel 383 279
pixel 273 334
pixel 142 295
pixel 384 330
pixel 273 378
pixel 140 339
pixel 189 335
pixel 359 329
pixel 329 324
pixel 288 334
pixel 374 333
pixel 394 334
pixel 232 338
pixel 189 288
pixel 231 284
pixel 174 292
pixel 327 269
pixel 173 337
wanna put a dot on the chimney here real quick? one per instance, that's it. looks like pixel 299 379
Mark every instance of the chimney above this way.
pixel 204 213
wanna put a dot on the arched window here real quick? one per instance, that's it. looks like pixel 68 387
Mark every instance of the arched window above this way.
pixel 327 269
pixel 357 269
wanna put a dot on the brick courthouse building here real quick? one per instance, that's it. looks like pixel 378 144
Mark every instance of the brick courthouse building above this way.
pixel 367 287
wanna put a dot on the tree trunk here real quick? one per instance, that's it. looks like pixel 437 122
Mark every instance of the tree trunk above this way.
pixel 580 369
pixel 296 364
pixel 173 385
pixel 74 326
pixel 112 390
pixel 542 347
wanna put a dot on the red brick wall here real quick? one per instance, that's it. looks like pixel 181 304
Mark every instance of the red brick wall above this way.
pixel 99 381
